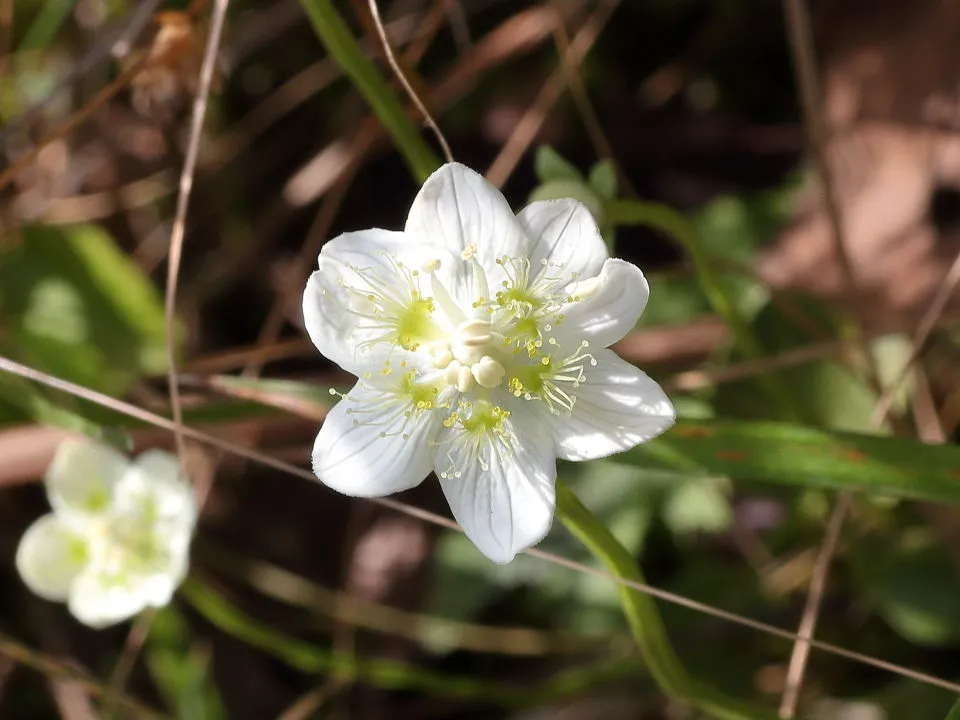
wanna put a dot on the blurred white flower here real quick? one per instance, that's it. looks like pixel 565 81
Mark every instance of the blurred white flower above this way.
pixel 479 339
pixel 118 538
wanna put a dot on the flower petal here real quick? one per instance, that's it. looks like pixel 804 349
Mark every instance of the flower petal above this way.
pixel 457 207
pixel 82 477
pixel 368 447
pixel 617 408
pixel 507 506
pixel 565 235
pixel 337 315
pixel 100 598
pixel 50 556
pixel 609 306
pixel 156 495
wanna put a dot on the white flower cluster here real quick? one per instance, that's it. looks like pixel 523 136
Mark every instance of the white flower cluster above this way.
pixel 480 342
pixel 118 538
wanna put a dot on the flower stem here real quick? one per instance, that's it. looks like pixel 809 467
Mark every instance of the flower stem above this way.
pixel 346 51
pixel 674 224
pixel 644 619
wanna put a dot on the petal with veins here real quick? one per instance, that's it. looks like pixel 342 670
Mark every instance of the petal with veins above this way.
pixel 458 208
pixel 506 504
pixel 565 235
pixel 369 447
pixel 363 283
pixel 617 408
pixel 608 307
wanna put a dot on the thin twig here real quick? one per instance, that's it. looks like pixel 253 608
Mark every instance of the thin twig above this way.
pixel 881 411
pixel 526 130
pixel 811 608
pixel 81 115
pixel 138 633
pixel 458 23
pixel 7 365
pixel 72 122
pixel 361 144
pixel 800 38
pixel 581 97
pixel 805 66
pixel 927 324
pixel 398 71
pixel 115 41
pixel 6 32
pixel 128 658
pixel 183 203
pixel 52 667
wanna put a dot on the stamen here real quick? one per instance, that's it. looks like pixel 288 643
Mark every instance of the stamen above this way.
pixel 446 303
pixel 442 358
pixel 464 378
pixel 488 372
pixel 452 372
pixel 480 434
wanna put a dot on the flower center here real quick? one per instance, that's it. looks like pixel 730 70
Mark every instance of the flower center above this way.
pixel 480 432
pixel 476 344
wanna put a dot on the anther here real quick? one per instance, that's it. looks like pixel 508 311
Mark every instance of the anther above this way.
pixel 442 358
pixel 452 373
pixel 464 379
pixel 488 372
pixel 474 333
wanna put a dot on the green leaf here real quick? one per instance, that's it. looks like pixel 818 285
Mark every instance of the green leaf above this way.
pixel 549 165
pixel 347 53
pixel 389 674
pixel 52 15
pixel 603 180
pixel 23 400
pixel 78 308
pixel 180 668
pixel 954 713
pixel 698 505
pixel 576 189
pixel 643 617
pixel 787 454
pixel 916 592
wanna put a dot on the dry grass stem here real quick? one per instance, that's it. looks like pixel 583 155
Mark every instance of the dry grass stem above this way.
pixel 7 365
pixel 398 71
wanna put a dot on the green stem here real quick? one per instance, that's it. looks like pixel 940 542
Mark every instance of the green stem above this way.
pixel 644 618
pixel 391 674
pixel 345 50
pixel 674 224
pixel 954 712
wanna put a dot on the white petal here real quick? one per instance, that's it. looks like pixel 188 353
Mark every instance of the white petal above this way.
pixel 617 408
pixel 457 207
pixel 156 495
pixel 333 316
pixel 99 598
pixel 366 448
pixel 158 589
pixel 50 556
pixel 509 506
pixel 565 235
pixel 609 308
pixel 82 477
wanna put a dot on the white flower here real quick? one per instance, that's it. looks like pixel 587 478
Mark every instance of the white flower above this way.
pixel 479 339
pixel 118 538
